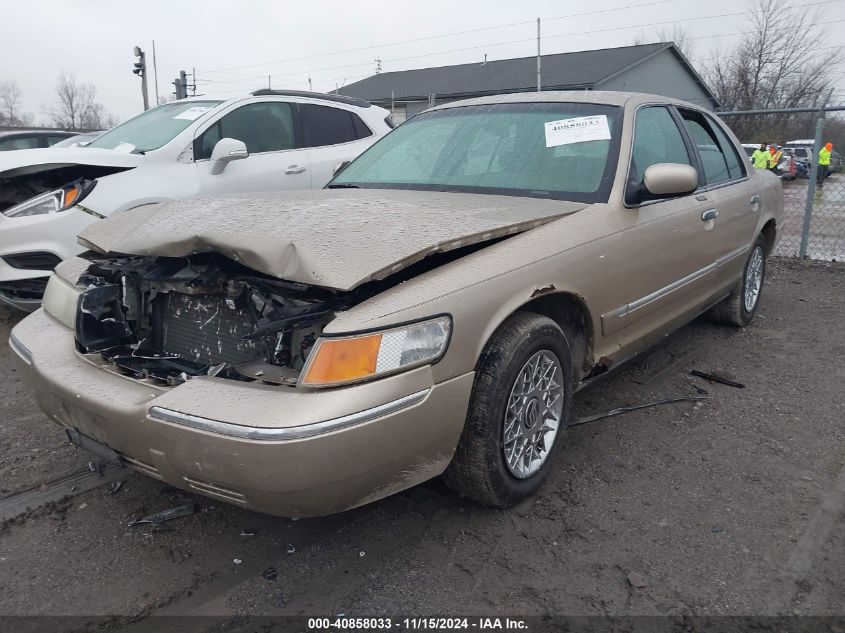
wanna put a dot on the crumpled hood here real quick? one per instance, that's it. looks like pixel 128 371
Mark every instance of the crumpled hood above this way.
pixel 332 238
pixel 31 161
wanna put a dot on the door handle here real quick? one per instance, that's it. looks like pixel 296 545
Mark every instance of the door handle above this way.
pixel 294 169
pixel 710 214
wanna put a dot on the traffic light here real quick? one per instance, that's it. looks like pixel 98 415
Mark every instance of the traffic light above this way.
pixel 140 67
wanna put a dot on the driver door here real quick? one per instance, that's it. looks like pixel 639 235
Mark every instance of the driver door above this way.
pixel 268 129
pixel 665 238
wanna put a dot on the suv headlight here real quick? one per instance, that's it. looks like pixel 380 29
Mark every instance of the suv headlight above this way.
pixel 52 202
pixel 346 359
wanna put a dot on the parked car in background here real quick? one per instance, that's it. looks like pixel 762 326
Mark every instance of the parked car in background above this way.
pixel 77 139
pixel 267 141
pixel 31 139
pixel 432 311
pixel 787 167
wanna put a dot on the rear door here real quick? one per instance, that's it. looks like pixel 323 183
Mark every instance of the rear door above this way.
pixel 729 195
pixel 275 161
pixel 332 135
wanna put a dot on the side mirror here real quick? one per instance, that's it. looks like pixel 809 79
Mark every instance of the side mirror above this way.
pixel 225 151
pixel 670 179
pixel 340 167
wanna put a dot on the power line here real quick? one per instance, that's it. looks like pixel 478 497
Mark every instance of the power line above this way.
pixel 605 30
pixel 442 35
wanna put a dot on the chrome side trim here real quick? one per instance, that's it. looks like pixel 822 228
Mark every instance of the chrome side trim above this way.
pixel 676 285
pixel 288 433
pixel 20 349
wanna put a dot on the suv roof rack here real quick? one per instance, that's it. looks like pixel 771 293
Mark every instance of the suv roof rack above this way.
pixel 313 95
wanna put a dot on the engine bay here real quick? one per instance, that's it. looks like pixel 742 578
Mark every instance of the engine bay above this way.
pixel 170 319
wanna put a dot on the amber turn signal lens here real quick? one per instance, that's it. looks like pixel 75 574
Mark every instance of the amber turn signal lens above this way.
pixel 70 196
pixel 343 360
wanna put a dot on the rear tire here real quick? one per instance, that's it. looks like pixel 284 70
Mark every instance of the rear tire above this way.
pixel 522 376
pixel 740 307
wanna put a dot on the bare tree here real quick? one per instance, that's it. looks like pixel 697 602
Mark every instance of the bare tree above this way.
pixel 10 104
pixel 75 106
pixel 677 35
pixel 779 63
pixel 680 37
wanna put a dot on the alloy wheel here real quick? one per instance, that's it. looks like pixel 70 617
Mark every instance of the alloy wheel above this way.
pixel 533 414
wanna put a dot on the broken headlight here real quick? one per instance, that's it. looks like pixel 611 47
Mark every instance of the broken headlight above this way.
pixel 52 202
pixel 346 359
pixel 61 300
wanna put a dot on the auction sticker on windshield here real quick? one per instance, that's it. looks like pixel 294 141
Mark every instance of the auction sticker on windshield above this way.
pixel 191 114
pixel 577 130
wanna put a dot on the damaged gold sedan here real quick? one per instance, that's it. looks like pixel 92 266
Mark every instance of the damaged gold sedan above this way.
pixel 431 312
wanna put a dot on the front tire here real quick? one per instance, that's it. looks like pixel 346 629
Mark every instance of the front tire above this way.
pixel 519 410
pixel 740 307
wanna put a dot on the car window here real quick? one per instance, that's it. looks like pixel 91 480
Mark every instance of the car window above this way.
pixel 565 151
pixel 657 139
pixel 20 142
pixel 263 127
pixel 324 125
pixel 728 148
pixel 715 162
pixel 154 128
pixel 52 140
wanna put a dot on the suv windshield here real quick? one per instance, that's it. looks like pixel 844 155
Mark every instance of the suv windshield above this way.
pixel 153 128
pixel 565 151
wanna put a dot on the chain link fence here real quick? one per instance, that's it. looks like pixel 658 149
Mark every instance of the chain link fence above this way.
pixel 813 195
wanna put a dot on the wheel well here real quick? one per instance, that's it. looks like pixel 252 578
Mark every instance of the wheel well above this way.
pixel 769 233
pixel 571 314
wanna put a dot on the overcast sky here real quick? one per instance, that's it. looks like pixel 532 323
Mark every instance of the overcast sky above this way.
pixel 232 43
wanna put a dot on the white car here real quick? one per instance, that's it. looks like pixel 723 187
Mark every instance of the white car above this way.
pixel 268 141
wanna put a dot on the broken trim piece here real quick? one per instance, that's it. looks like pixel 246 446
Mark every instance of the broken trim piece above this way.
pixel 290 433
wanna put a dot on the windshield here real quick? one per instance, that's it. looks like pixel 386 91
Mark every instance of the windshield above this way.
pixel 565 151
pixel 153 128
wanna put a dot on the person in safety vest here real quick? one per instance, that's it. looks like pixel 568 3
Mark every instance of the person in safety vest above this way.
pixel 824 163
pixel 774 160
pixel 760 157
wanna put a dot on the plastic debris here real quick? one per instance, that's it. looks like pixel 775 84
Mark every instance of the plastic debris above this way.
pixel 270 573
pixel 636 407
pixel 237 561
pixel 166 515
pixel 114 487
pixel 291 549
pixel 717 378
pixel 248 532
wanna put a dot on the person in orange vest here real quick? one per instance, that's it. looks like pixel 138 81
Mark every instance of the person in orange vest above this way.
pixel 775 152
pixel 824 163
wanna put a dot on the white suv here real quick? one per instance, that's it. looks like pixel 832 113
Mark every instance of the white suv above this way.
pixel 268 141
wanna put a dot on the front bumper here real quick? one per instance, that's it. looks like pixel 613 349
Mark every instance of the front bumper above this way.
pixel 342 447
pixel 50 233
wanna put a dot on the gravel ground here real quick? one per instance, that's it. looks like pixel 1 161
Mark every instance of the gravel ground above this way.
pixel 732 506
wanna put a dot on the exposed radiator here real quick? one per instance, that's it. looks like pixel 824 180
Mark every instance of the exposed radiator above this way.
pixel 207 328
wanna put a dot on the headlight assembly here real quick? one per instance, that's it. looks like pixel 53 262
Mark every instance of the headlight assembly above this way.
pixel 61 300
pixel 346 359
pixel 52 202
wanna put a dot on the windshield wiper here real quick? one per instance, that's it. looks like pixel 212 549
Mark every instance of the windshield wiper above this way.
pixel 343 186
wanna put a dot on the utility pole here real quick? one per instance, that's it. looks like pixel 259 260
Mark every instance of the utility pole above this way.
pixel 378 66
pixel 269 83
pixel 194 84
pixel 539 62
pixel 155 70
pixel 140 69
pixel 310 87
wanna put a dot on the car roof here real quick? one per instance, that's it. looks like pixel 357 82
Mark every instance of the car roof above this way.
pixel 601 97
